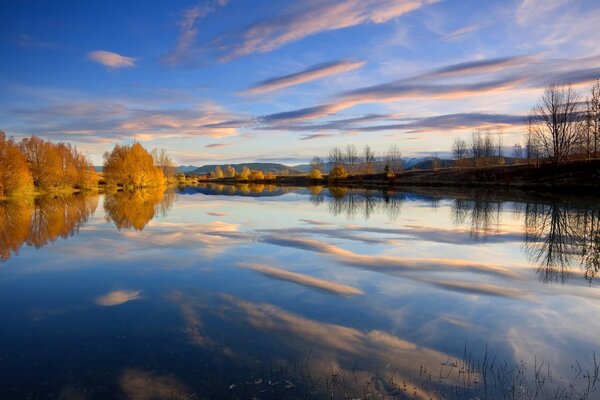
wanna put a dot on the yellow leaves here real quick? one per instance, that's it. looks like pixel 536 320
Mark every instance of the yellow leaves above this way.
pixel 132 167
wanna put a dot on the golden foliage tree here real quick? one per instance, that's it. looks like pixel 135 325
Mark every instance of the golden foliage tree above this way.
pixel 315 174
pixel 15 176
pixel 338 172
pixel 132 167
pixel 244 175
pixel 256 175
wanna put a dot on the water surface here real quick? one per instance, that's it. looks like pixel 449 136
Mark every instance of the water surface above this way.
pixel 268 292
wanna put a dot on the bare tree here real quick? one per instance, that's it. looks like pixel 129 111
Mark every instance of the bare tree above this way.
pixel 553 122
pixel 594 109
pixel 369 160
pixel 517 151
pixel 393 159
pixel 459 151
pixel 351 158
pixel 336 156
pixel 317 164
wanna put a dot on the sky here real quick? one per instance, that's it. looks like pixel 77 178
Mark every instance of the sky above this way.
pixel 231 81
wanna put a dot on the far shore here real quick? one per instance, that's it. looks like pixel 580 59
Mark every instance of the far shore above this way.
pixel 579 176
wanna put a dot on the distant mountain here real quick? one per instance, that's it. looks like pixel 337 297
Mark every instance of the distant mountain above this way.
pixel 186 168
pixel 265 167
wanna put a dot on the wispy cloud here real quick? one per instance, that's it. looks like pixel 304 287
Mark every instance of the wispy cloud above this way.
pixel 302 279
pixel 460 33
pixel 118 297
pixel 110 59
pixel 308 18
pixel 216 145
pixel 188 31
pixel 99 120
pixel 479 77
pixel 313 73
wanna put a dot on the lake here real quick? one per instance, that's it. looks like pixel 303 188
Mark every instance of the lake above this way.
pixel 256 291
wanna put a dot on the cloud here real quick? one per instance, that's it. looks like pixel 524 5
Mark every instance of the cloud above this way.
pixel 106 121
pixel 313 73
pixel 389 263
pixel 188 31
pixel 308 18
pixel 216 145
pixel 301 279
pixel 110 59
pixel 507 73
pixel 118 297
pixel 142 385
pixel 461 33
pixel 216 214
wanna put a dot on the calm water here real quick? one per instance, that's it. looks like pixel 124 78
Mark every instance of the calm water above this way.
pixel 268 292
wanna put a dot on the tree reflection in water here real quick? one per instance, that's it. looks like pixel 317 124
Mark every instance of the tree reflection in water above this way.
pixel 134 209
pixel 561 237
pixel 40 221
pixel 351 202
pixel 558 237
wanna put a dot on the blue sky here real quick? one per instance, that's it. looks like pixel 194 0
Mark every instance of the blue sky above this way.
pixel 238 80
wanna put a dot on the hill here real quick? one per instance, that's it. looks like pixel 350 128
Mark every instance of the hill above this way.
pixel 265 167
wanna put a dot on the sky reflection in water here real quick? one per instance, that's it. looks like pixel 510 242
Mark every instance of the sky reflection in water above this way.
pixel 207 289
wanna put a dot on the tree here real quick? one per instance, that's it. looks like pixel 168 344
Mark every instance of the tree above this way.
pixel 594 111
pixel 517 151
pixel 315 174
pixel 230 171
pixel 44 162
pixel 459 151
pixel 393 159
pixel 336 156
pixel 351 158
pixel 338 172
pixel 369 160
pixel 131 167
pixel 217 173
pixel 553 122
pixel 317 163
pixel 245 174
pixel 15 176
pixel 163 160
pixel 256 175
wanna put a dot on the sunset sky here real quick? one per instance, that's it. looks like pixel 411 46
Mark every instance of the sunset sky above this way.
pixel 232 81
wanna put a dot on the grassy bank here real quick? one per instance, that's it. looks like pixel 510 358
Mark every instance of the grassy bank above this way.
pixel 576 175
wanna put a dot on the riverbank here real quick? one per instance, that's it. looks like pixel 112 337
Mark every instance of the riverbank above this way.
pixel 580 176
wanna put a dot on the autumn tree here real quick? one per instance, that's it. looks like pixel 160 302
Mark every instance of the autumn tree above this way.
pixel 132 167
pixel 553 122
pixel 44 162
pixel 230 171
pixel 338 172
pixel 217 173
pixel 244 175
pixel 256 175
pixel 15 176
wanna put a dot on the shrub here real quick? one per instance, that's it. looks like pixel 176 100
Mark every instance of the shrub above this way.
pixel 315 174
pixel 338 172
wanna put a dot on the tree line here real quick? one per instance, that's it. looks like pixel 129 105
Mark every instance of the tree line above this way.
pixel 35 163
pixel 246 174
pixel 561 127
